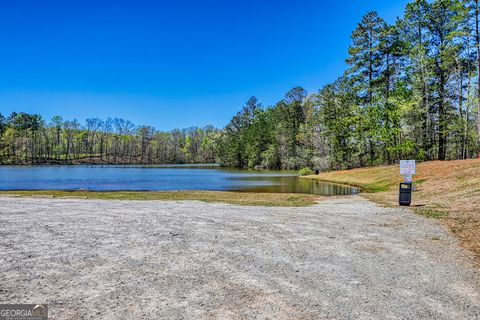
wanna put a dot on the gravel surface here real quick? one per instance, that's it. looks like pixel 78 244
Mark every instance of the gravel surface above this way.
pixel 345 258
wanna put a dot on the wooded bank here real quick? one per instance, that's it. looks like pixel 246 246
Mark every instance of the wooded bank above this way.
pixel 411 90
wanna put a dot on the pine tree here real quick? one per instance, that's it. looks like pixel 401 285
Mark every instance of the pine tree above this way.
pixel 416 39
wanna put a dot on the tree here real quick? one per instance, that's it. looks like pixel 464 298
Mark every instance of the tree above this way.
pixel 232 150
pixel 443 22
pixel 476 9
pixel 411 90
pixel 367 77
pixel 365 58
pixel 3 124
pixel 290 115
pixel 338 114
pixel 414 34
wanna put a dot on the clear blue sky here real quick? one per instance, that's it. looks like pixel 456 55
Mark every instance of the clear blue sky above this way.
pixel 170 64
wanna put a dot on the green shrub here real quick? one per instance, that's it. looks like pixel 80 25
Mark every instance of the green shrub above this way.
pixel 305 171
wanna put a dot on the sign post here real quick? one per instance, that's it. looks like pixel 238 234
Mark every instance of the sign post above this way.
pixel 407 169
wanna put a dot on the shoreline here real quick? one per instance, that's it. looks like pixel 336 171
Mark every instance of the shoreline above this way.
pixel 230 197
pixel 444 190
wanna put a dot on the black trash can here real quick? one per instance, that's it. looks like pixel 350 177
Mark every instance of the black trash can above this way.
pixel 405 194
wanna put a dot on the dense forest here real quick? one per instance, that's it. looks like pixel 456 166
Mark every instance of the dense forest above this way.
pixel 411 90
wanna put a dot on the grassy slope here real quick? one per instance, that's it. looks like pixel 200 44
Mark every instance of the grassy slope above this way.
pixel 240 198
pixel 447 190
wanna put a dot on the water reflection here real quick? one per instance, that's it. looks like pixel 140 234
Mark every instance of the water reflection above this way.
pixel 294 184
pixel 168 177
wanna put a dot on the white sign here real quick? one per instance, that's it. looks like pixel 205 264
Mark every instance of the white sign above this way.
pixel 407 167
pixel 407 178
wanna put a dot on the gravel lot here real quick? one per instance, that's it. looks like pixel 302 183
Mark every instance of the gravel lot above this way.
pixel 344 258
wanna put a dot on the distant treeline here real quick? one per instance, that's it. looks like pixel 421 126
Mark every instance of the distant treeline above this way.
pixel 28 139
pixel 411 91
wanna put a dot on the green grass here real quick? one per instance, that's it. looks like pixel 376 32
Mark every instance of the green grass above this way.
pixel 420 181
pixel 445 190
pixel 380 186
pixel 238 198
pixel 432 213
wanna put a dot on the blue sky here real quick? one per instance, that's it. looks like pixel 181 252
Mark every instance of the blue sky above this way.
pixel 170 64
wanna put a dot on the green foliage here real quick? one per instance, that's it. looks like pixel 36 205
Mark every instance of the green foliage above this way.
pixel 410 91
pixel 305 171
pixel 26 139
pixel 3 124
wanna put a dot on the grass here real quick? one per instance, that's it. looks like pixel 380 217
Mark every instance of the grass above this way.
pixel 239 198
pixel 444 190
pixel 432 213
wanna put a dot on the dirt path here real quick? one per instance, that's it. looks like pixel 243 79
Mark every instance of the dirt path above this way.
pixel 345 258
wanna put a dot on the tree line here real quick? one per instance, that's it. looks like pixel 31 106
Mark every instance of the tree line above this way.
pixel 411 90
pixel 29 139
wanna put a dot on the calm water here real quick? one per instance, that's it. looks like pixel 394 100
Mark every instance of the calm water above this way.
pixel 168 177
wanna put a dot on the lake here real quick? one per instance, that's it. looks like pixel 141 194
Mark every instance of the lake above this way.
pixel 161 177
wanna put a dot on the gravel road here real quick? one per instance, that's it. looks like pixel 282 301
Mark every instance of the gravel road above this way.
pixel 345 258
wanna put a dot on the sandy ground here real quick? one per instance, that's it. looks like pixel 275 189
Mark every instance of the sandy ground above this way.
pixel 344 258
